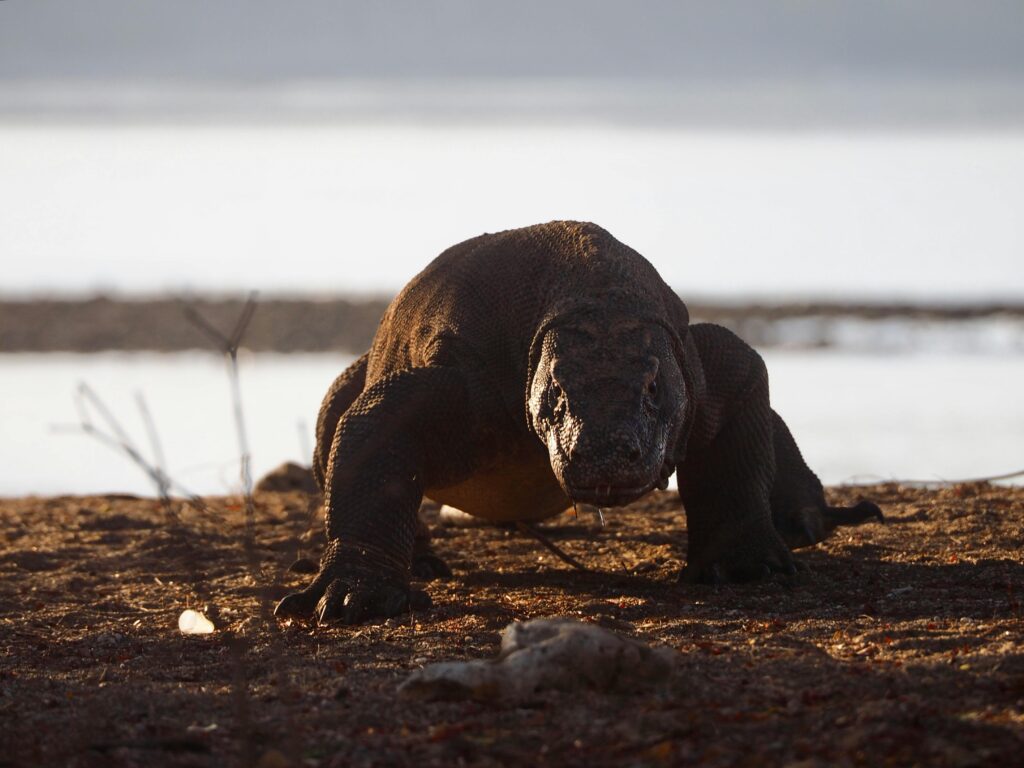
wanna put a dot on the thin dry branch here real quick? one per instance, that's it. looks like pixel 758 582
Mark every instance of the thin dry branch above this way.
pixel 940 483
pixel 88 403
pixel 533 532
pixel 228 345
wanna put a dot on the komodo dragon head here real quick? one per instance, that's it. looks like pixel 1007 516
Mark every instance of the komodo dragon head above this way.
pixel 607 398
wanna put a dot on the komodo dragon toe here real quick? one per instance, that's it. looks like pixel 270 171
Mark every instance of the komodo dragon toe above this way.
pixel 350 601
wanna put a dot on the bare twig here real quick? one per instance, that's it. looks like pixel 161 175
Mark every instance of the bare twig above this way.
pixel 86 396
pixel 158 452
pixel 88 402
pixel 940 483
pixel 243 321
pixel 228 345
pixel 534 532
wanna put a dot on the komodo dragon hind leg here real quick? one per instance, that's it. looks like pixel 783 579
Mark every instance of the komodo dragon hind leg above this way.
pixel 725 484
pixel 725 490
pixel 799 510
pixel 396 437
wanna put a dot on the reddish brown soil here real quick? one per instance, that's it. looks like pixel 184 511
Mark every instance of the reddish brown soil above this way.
pixel 903 646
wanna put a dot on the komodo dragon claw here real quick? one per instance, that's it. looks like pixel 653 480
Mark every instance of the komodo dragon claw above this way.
pixel 352 602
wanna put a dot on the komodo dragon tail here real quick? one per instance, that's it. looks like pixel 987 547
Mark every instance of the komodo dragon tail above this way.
pixel 835 517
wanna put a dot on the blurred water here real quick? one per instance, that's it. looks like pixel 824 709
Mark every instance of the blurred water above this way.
pixel 856 416
pixel 189 398
pixel 363 205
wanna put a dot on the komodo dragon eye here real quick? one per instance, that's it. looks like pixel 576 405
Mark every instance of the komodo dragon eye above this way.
pixel 651 402
pixel 651 381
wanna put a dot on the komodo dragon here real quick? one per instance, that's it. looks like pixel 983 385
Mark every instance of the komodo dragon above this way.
pixel 523 371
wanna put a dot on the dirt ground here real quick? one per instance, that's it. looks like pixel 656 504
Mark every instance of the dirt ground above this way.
pixel 904 645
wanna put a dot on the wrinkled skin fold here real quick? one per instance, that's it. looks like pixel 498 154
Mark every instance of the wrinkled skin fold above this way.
pixel 523 371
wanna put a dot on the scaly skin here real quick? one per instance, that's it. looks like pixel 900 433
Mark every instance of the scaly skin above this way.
pixel 525 370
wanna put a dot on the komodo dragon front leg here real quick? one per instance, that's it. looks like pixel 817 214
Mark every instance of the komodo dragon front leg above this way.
pixel 342 393
pixel 749 495
pixel 400 434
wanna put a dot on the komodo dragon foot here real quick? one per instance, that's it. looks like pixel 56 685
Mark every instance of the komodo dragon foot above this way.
pixel 755 553
pixel 350 600
pixel 428 566
pixel 349 594
pixel 762 555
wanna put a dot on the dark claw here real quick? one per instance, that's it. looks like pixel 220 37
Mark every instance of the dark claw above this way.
pixel 714 575
pixel 396 603
pixel 809 533
pixel 356 607
pixel 692 575
pixel 327 605
pixel 428 566
pixel 304 565
pixel 419 600
pixel 297 605
pixel 354 604
pixel 758 572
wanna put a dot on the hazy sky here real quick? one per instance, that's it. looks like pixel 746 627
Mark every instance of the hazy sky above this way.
pixel 665 39
pixel 230 170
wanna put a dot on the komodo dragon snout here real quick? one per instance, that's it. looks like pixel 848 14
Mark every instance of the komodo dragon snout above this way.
pixel 607 401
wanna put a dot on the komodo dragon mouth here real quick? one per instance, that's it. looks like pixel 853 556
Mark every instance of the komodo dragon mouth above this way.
pixel 608 495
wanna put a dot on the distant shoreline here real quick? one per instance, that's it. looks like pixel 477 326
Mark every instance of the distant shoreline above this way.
pixel 347 324
pixel 894 104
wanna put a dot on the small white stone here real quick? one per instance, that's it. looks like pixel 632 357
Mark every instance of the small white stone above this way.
pixel 194 623
pixel 456 518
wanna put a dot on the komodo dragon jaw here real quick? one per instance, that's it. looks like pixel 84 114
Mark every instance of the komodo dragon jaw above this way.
pixel 606 402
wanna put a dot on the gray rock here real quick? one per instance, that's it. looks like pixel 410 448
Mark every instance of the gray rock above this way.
pixel 288 477
pixel 559 654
